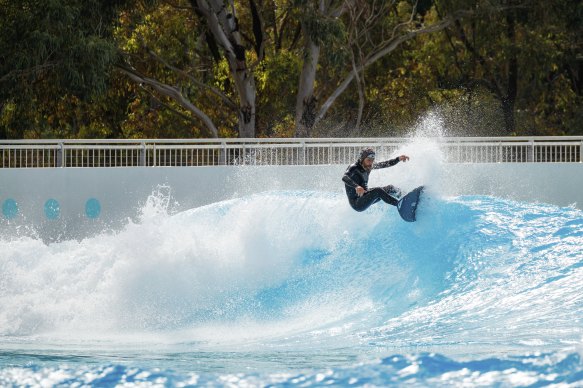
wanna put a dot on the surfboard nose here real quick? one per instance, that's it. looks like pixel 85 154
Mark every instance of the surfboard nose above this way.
pixel 407 205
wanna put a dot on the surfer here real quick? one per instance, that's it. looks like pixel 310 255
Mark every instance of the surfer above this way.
pixel 355 180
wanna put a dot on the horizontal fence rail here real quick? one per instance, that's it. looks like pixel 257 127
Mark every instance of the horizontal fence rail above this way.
pixel 215 152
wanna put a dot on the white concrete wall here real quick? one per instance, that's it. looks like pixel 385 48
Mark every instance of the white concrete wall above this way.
pixel 122 192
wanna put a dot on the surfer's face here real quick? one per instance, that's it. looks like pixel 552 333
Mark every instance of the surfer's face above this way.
pixel 367 163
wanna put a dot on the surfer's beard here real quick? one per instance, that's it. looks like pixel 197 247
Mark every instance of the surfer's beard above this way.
pixel 367 169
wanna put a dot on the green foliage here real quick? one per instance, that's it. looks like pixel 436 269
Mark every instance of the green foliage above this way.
pixel 155 39
pixel 324 30
pixel 464 72
pixel 521 55
pixel 58 77
pixel 275 74
pixel 50 50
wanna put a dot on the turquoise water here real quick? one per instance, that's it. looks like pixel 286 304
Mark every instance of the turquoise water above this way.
pixel 287 288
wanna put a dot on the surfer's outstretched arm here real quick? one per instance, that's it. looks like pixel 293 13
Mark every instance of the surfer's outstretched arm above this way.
pixel 390 162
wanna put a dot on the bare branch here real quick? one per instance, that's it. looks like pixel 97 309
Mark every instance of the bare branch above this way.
pixel 214 25
pixel 171 92
pixel 384 50
pixel 170 108
pixel 407 22
pixel 183 73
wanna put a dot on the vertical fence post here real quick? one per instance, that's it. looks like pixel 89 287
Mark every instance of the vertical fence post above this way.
pixel 530 152
pixel 329 153
pixel 143 154
pixel 223 155
pixel 60 155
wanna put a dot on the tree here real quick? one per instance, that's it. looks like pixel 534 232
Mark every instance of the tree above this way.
pixel 49 49
pixel 212 68
pixel 375 29
pixel 221 19
pixel 524 56
pixel 218 23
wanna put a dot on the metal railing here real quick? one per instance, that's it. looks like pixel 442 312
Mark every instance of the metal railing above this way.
pixel 213 152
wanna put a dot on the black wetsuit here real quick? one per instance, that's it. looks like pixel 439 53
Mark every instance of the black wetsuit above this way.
pixel 356 175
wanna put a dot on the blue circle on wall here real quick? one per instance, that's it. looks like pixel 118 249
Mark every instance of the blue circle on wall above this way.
pixel 10 208
pixel 52 209
pixel 92 208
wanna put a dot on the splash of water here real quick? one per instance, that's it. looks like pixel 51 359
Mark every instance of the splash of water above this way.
pixel 304 264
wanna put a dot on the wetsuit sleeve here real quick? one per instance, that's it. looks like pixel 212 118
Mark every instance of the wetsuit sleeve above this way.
pixel 347 179
pixel 385 164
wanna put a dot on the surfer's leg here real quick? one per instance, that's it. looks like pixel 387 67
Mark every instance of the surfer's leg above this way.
pixel 383 193
pixel 373 196
pixel 363 202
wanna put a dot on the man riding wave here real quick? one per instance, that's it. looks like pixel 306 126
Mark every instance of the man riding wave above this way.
pixel 355 179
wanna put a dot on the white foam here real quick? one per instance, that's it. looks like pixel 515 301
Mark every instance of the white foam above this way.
pixel 168 271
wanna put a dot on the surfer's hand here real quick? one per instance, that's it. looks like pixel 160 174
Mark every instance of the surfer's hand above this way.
pixel 403 158
pixel 360 191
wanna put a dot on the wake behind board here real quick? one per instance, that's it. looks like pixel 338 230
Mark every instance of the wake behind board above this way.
pixel 407 205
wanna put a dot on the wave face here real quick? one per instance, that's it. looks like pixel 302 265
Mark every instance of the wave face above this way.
pixel 297 281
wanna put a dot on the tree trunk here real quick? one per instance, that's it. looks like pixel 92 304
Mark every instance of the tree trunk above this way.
pixel 360 87
pixel 508 112
pixel 306 103
pixel 173 93
pixel 246 88
pixel 512 89
pixel 222 22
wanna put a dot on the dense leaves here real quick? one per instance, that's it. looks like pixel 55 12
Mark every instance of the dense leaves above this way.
pixel 161 68
pixel 55 58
